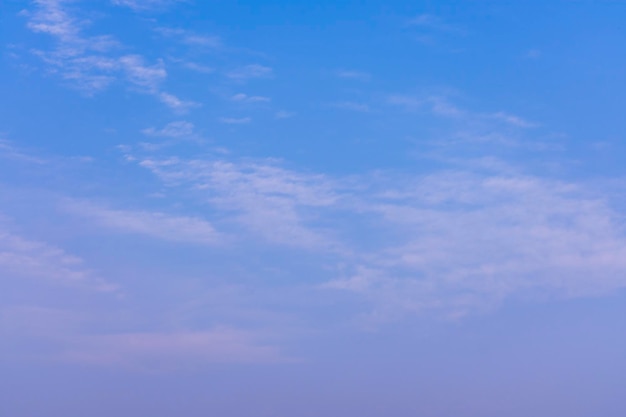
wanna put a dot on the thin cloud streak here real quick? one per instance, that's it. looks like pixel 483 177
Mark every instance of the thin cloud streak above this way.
pixel 158 225
pixel 235 120
pixel 249 72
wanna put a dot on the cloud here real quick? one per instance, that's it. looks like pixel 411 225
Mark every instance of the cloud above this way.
pixel 513 120
pixel 171 349
pixel 277 204
pixel 10 151
pixel 244 98
pixel 354 75
pixel 153 224
pixel 142 75
pixel 432 22
pixel 235 120
pixel 146 5
pixel 26 258
pixel 178 129
pixel 93 63
pixel 80 59
pixel 190 38
pixel 469 126
pixel 176 104
pixel 203 40
pixel 453 241
pixel 204 69
pixel 249 72
pixel 283 114
pixel 73 336
pixel 468 241
pixel 437 105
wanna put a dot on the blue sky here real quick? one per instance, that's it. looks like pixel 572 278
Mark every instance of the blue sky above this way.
pixel 312 208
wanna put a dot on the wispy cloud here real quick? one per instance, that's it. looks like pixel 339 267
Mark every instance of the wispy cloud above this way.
pixel 190 38
pixel 436 104
pixel 153 224
pixel 178 129
pixel 25 258
pixel 142 75
pixel 432 22
pixel 177 104
pixel 61 334
pixel 172 349
pixel 513 120
pixel 244 98
pixel 354 75
pixel 173 133
pixel 472 240
pixel 270 201
pixel 194 66
pixel 452 242
pixel 9 151
pixel 80 59
pixel 467 124
pixel 146 5
pixel 250 72
pixel 93 63
pixel 236 120
pixel 283 114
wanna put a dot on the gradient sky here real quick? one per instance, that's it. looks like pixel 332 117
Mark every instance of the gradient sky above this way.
pixel 295 208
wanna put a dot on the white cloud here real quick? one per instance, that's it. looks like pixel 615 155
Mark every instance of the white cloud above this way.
pixel 78 58
pixel 249 72
pixel 93 63
pixel 176 103
pixel 146 5
pixel 452 241
pixel 470 126
pixel 178 129
pixel 467 241
pixel 277 204
pixel 513 120
pixel 244 98
pixel 9 151
pixel 194 66
pixel 432 22
pixel 436 104
pixel 235 120
pixel 203 40
pixel 142 75
pixel 191 38
pixel 153 224
pixel 22 257
pixel 354 75
pixel 283 114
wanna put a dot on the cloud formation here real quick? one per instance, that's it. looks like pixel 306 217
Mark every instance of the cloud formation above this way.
pixel 153 224
pixel 21 257
pixel 93 63
pixel 251 71
pixel 453 241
